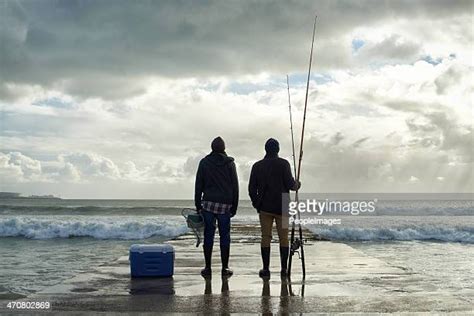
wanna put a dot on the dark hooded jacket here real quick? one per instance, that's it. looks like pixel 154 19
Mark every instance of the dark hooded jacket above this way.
pixel 216 181
pixel 269 179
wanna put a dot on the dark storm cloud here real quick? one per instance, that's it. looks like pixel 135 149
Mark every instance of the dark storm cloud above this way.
pixel 87 47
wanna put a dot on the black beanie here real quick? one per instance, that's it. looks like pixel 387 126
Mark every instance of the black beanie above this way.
pixel 218 145
pixel 272 146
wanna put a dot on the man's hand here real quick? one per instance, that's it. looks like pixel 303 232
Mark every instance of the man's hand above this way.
pixel 297 185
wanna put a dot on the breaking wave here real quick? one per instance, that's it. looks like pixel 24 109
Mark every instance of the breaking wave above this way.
pixel 463 234
pixel 96 227
pixel 88 210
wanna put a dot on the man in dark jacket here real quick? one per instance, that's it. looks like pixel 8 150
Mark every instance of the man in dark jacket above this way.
pixel 269 179
pixel 216 197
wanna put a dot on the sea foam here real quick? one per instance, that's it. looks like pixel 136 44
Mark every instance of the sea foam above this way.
pixel 463 234
pixel 100 227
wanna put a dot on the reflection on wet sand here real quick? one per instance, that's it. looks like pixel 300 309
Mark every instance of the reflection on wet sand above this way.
pixel 224 286
pixel 286 292
pixel 284 299
pixel 301 289
pixel 208 286
pixel 222 304
pixel 266 298
pixel 159 286
pixel 225 303
pixel 221 301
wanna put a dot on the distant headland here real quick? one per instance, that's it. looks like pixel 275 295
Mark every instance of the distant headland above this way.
pixel 15 195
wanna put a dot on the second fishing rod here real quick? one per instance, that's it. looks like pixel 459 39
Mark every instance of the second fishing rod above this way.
pixel 297 243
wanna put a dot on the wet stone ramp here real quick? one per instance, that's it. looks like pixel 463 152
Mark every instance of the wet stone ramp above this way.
pixel 339 279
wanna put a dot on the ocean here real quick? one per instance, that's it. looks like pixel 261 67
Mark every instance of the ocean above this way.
pixel 46 241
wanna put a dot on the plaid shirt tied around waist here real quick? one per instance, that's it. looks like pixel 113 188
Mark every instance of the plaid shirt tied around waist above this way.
pixel 216 207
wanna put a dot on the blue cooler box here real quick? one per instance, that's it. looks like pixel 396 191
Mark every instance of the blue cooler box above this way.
pixel 151 260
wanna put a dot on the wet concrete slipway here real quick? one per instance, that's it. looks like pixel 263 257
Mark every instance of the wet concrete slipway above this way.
pixel 339 279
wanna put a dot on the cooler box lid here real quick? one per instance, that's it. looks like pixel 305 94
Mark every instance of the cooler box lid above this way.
pixel 142 248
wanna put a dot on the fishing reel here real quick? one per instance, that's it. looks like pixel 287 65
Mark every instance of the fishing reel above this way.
pixel 297 244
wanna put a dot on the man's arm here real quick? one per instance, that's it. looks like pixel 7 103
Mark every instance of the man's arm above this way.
pixel 253 186
pixel 235 189
pixel 198 187
pixel 288 179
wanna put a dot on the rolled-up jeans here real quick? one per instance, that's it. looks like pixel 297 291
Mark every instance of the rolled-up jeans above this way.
pixel 223 223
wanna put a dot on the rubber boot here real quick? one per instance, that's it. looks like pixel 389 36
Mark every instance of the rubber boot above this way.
pixel 265 272
pixel 226 272
pixel 284 261
pixel 206 272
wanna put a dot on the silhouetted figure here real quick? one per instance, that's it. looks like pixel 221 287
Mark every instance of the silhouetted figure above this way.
pixel 269 179
pixel 216 197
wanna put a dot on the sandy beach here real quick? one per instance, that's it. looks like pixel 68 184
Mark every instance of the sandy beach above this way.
pixel 339 279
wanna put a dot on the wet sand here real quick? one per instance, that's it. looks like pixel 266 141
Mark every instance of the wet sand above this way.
pixel 339 279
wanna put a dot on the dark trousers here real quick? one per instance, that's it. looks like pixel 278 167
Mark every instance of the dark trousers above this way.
pixel 223 223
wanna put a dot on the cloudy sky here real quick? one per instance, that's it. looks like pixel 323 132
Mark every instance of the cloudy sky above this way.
pixel 120 99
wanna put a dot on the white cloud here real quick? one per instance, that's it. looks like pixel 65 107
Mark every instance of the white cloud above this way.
pixel 17 167
pixel 91 165
pixel 69 173
pixel 134 109
pixel 388 122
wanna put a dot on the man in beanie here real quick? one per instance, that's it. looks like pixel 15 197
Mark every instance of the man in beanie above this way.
pixel 216 197
pixel 269 179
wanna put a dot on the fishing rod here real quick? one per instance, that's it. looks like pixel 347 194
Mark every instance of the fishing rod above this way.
pixel 291 125
pixel 297 243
